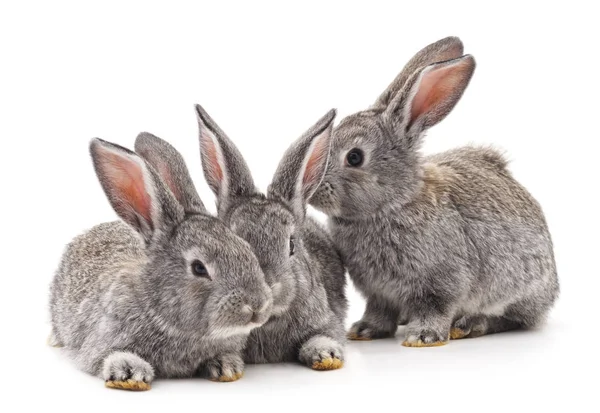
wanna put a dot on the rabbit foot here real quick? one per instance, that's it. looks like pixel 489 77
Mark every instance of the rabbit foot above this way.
pixel 458 333
pixel 365 331
pixel 356 337
pixel 322 353
pixel 424 338
pixel 127 371
pixel 225 369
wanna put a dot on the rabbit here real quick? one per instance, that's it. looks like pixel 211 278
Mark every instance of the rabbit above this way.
pixel 298 257
pixel 168 291
pixel 450 244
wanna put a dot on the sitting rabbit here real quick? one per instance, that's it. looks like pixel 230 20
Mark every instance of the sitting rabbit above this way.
pixel 300 262
pixel 168 291
pixel 451 243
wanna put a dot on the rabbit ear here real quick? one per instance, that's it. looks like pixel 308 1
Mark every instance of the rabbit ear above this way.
pixel 446 49
pixel 169 164
pixel 303 166
pixel 429 96
pixel 134 190
pixel 224 167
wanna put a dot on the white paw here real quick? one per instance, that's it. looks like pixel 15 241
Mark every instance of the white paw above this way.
pixel 226 368
pixel 424 338
pixel 122 366
pixel 322 353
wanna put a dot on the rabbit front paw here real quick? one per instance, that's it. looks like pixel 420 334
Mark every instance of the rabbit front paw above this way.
pixel 226 368
pixel 127 371
pixel 365 330
pixel 424 337
pixel 322 353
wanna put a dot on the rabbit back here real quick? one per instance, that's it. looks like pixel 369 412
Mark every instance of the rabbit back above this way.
pixel 91 262
pixel 86 299
pixel 510 248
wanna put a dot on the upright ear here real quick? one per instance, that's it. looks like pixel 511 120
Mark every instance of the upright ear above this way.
pixel 303 166
pixel 224 167
pixel 446 49
pixel 171 167
pixel 429 95
pixel 134 190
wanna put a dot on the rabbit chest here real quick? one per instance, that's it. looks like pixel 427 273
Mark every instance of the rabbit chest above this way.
pixel 405 253
pixel 178 355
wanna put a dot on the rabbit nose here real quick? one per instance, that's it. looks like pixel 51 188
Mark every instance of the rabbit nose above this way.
pixel 257 315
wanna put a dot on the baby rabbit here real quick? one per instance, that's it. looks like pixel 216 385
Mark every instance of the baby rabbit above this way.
pixel 451 243
pixel 300 262
pixel 168 291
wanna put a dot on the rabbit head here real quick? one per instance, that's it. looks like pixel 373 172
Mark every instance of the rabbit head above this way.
pixel 271 224
pixel 375 153
pixel 198 276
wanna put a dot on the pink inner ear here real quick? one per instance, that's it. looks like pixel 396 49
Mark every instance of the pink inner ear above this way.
pixel 165 174
pixel 436 86
pixel 127 181
pixel 212 156
pixel 314 165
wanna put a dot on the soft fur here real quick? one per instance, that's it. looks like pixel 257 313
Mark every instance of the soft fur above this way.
pixel 449 240
pixel 308 287
pixel 125 302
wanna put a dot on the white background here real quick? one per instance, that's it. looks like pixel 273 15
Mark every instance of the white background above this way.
pixel 266 72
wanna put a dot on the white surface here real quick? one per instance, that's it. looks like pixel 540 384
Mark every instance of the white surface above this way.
pixel 71 72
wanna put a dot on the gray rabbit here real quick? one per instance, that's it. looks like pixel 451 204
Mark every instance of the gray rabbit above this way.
pixel 300 262
pixel 168 291
pixel 450 244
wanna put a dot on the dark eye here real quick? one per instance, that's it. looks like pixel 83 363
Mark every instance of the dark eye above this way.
pixel 292 247
pixel 354 158
pixel 199 269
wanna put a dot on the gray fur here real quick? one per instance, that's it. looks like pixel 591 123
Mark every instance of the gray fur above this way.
pixel 127 306
pixel 439 241
pixel 309 287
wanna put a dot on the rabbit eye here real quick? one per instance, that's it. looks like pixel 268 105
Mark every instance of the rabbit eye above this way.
pixel 354 158
pixel 199 269
pixel 292 247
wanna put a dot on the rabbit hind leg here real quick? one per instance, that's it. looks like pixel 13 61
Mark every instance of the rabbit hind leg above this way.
pixel 479 325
